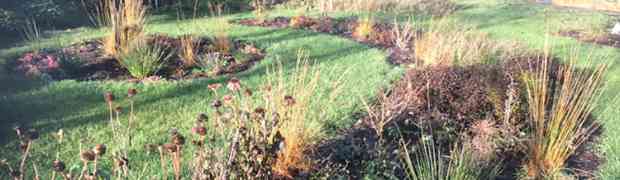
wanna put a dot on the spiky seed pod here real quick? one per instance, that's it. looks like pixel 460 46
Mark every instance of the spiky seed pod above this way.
pixel 118 109
pixel 33 134
pixel 197 143
pixel 58 166
pixel 247 92
pixel 177 139
pixel 88 155
pixel 214 87
pixel 260 112
pixel 234 84
pixel 200 130
pixel 109 97
pixel 289 100
pixel 228 99
pixel 99 149
pixel 216 104
pixel 202 118
pixel 121 161
pixel 131 92
pixel 169 147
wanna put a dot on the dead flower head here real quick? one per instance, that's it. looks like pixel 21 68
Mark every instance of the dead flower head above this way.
pixel 88 155
pixel 132 92
pixel 176 138
pixel 234 84
pixel 214 87
pixel 216 104
pixel 289 100
pixel 228 99
pixel 109 97
pixel 58 166
pixel 100 149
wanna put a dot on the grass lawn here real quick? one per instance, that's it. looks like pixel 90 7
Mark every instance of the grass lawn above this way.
pixel 79 109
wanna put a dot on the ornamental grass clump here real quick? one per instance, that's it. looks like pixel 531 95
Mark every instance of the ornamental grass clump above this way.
pixel 126 19
pixel 560 102
pixel 145 61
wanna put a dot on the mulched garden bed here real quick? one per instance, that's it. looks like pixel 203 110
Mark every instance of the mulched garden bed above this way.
pixel 605 40
pixel 86 61
pixel 381 35
pixel 451 104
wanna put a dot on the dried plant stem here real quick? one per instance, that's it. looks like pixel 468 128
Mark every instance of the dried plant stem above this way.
pixel 232 154
pixel 162 161
pixel 84 169
pixel 22 165
pixel 176 162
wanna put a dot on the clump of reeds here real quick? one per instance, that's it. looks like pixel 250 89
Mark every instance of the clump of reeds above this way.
pixel 560 102
pixel 189 50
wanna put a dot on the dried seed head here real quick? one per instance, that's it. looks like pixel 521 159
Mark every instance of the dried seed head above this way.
pixel 216 104
pixel 234 84
pixel 177 139
pixel 132 92
pixel 169 147
pixel 58 166
pixel 109 97
pixel 259 112
pixel 289 100
pixel 214 87
pixel 228 99
pixel 247 92
pixel 200 130
pixel 99 149
pixel 88 155
pixel 121 161
pixel 19 131
pixel 202 118
pixel 118 109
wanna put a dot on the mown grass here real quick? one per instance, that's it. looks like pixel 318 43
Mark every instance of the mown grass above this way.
pixel 79 108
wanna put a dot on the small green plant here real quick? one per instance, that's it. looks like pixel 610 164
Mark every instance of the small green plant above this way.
pixel 429 163
pixel 144 61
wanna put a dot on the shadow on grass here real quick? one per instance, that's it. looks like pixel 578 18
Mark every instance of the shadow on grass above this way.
pixel 70 105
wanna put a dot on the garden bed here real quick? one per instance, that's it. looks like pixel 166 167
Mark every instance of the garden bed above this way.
pixel 375 34
pixel 453 105
pixel 605 39
pixel 87 61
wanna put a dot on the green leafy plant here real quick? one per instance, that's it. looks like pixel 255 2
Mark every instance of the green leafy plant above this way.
pixel 144 61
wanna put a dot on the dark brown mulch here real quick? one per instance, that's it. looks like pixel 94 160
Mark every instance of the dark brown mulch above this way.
pixel 95 65
pixel 605 40
pixel 381 37
pixel 449 103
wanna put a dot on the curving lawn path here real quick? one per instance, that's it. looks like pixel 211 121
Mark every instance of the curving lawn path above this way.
pixel 79 109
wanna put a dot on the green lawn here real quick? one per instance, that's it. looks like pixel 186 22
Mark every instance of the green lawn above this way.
pixel 78 107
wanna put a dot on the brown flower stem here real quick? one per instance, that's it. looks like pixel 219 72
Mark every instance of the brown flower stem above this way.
pixel 95 165
pixel 130 123
pixel 22 165
pixel 162 162
pixel 36 172
pixel 231 155
pixel 54 175
pixel 177 163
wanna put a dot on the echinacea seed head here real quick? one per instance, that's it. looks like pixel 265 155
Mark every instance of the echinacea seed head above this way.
pixel 88 156
pixel 109 97
pixel 169 147
pixel 214 87
pixel 200 130
pixel 289 100
pixel 132 92
pixel 177 139
pixel 18 130
pixel 99 149
pixel 228 99
pixel 216 104
pixel 247 92
pixel 234 84
pixel 58 166
pixel 121 161
pixel 118 109
pixel 202 118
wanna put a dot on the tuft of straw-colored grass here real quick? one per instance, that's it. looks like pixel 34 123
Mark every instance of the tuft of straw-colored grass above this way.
pixel 300 126
pixel 189 50
pixel 364 29
pixel 221 40
pixel 127 19
pixel 559 110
